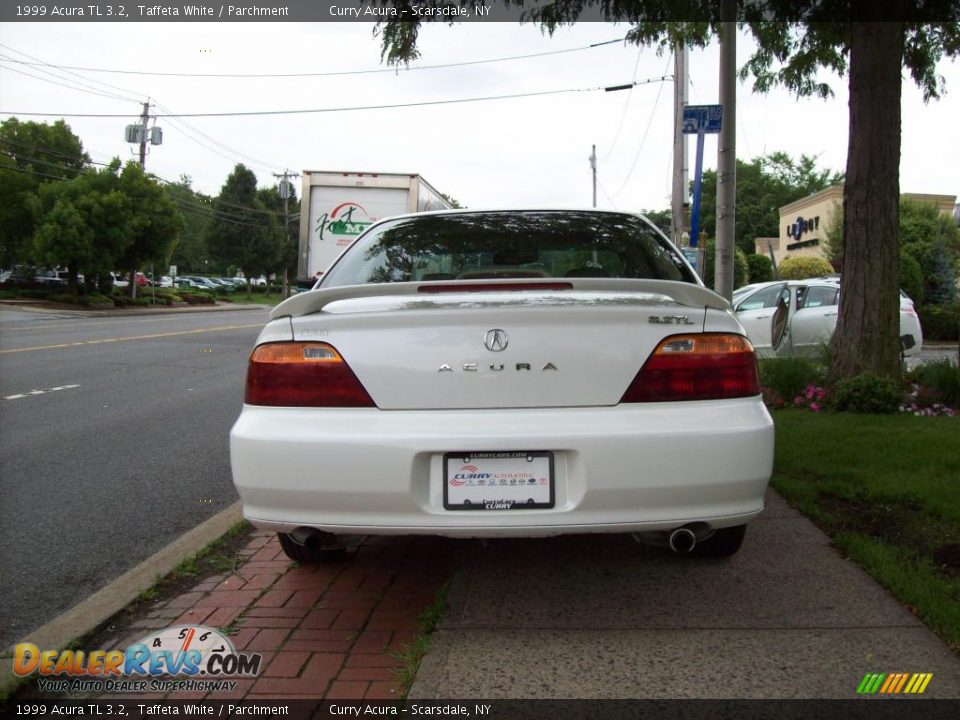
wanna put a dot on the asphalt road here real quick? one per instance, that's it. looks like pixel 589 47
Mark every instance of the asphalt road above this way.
pixel 113 442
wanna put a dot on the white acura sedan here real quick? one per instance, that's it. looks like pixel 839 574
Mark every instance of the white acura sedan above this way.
pixel 493 374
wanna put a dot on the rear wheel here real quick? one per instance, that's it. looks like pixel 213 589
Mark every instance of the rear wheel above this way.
pixel 723 543
pixel 316 548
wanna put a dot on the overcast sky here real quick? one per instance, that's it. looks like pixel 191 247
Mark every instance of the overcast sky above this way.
pixel 505 153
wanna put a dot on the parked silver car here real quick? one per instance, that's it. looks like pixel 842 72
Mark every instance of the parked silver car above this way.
pixel 812 308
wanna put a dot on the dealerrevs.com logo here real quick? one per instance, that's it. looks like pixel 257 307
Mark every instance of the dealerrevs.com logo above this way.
pixel 185 657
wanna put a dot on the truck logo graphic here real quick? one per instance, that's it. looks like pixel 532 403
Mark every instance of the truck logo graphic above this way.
pixel 344 222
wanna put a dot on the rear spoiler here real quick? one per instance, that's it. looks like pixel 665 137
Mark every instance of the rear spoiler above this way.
pixel 687 294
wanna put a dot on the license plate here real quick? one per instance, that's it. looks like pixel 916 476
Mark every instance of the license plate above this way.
pixel 498 480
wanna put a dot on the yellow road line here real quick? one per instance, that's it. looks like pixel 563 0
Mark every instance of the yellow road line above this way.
pixel 133 337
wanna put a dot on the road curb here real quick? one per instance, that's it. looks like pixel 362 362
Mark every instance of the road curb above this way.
pixel 106 602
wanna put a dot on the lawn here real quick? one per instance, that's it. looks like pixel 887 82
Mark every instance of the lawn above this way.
pixel 886 488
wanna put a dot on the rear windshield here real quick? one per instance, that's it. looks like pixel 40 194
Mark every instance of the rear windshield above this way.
pixel 493 245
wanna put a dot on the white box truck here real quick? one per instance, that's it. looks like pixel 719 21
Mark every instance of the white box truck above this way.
pixel 338 206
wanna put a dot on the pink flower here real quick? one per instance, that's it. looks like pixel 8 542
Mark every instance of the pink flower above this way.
pixel 815 407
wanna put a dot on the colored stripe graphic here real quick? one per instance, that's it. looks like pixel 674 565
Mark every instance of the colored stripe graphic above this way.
pixel 894 683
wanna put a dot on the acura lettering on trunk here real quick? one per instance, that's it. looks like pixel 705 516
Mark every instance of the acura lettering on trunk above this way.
pixel 417 390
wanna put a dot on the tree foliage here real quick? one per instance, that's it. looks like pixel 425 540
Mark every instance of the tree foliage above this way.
pixel 741 269
pixel 243 232
pixel 801 267
pixel 929 251
pixel 190 253
pixel 764 185
pixel 152 222
pixel 760 268
pixel 102 219
pixel 32 154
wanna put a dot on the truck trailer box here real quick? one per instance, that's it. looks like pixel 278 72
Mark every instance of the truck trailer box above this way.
pixel 338 206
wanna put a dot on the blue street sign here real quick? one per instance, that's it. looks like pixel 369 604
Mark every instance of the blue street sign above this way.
pixel 702 119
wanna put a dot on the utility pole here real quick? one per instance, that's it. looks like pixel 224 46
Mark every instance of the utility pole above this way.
pixel 593 166
pixel 144 119
pixel 679 196
pixel 727 153
pixel 285 189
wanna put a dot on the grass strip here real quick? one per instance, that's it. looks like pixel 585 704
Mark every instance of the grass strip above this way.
pixel 886 489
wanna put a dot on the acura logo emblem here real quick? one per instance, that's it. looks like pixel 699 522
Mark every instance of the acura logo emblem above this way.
pixel 495 340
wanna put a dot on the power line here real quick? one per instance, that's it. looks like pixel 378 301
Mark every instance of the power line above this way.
pixel 425 103
pixel 183 203
pixel 339 73
pixel 642 141
pixel 48 151
pixel 626 106
pixel 186 128
pixel 44 63
pixel 54 82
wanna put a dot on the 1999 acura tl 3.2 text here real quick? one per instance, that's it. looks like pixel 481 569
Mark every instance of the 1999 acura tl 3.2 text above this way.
pixel 494 374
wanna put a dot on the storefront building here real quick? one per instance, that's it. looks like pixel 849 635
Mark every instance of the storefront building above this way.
pixel 804 223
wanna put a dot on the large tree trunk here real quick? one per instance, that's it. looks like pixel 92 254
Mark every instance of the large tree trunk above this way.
pixel 868 328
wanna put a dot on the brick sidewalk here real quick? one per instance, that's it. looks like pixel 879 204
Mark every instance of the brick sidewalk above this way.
pixel 323 630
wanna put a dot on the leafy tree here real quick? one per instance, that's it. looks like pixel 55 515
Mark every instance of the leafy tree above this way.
pixel 928 238
pixel 808 36
pixel 242 233
pixel 454 203
pixel 911 276
pixel 81 223
pixel 764 185
pixel 191 249
pixel 741 270
pixel 760 268
pixel 270 200
pixel 661 218
pixel 32 154
pixel 152 222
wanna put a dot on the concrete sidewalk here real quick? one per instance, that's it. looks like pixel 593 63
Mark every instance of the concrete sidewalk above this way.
pixel 598 617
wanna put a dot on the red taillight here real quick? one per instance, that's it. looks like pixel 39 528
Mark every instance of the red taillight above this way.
pixel 696 367
pixel 297 374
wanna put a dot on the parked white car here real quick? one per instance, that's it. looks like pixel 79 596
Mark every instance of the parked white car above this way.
pixel 525 373
pixel 812 311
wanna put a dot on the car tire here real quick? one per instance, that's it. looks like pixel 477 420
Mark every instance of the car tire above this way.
pixel 723 543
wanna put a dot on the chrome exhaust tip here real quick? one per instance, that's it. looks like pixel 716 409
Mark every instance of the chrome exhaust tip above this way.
pixel 682 540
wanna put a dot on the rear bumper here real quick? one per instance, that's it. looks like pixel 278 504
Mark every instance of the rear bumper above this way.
pixel 629 468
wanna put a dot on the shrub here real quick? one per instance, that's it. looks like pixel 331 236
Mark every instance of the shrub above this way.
pixel 741 270
pixel 194 298
pixel 940 322
pixel 69 299
pixel 940 379
pixel 866 393
pixel 759 268
pixel 803 267
pixel 911 276
pixel 784 379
